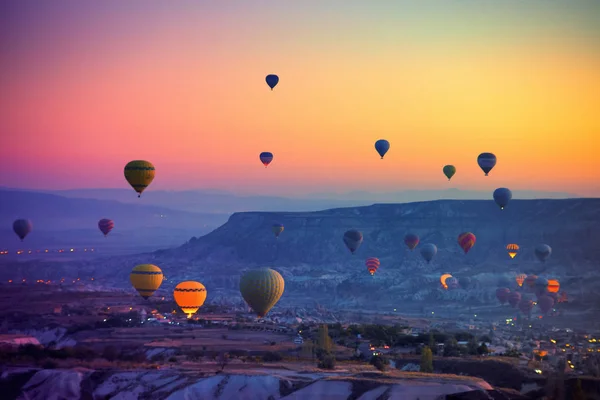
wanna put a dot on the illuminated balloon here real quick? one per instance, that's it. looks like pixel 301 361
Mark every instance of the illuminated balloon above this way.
pixel 452 283
pixel 443 279
pixel 502 295
pixel 277 229
pixel 542 252
pixel 513 250
pixel 353 239
pixel 553 286
pixel 486 162
pixel 520 279
pixel 466 241
pixel 22 228
pixel 189 296
pixel 266 158
pixel 545 303
pixel 382 146
pixel 261 289
pixel 106 225
pixel 372 264
pixel 272 80
pixel 449 171
pixel 146 279
pixel 428 251
pixel 502 196
pixel 411 240
pixel 139 174
pixel 514 298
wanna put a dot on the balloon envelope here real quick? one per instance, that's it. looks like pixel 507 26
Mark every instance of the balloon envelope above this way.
pixel 449 171
pixel 502 295
pixel 353 239
pixel 525 305
pixel 411 240
pixel 514 298
pixel 486 162
pixel 277 229
pixel 382 146
pixel 22 228
pixel 146 279
pixel 189 296
pixel 372 264
pixel 106 225
pixel 272 80
pixel 428 251
pixel 452 283
pixel 466 241
pixel 513 250
pixel 520 279
pixel 553 286
pixel 139 175
pixel 502 196
pixel 443 280
pixel 266 158
pixel 542 252
pixel 545 303
pixel 530 280
pixel 261 289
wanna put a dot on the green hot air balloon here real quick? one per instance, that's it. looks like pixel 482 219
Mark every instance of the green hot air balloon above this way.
pixel 261 289
pixel 449 171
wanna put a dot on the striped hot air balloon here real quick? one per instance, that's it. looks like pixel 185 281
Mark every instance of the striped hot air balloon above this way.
pixel 372 264
pixel 139 174
pixel 513 250
pixel 146 279
pixel 520 279
pixel 466 241
pixel 553 286
pixel 106 225
pixel 189 296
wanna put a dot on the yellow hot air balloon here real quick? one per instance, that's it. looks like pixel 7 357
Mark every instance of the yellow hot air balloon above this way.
pixel 520 279
pixel 553 286
pixel 146 279
pixel 139 174
pixel 189 296
pixel 443 280
pixel 513 250
pixel 261 289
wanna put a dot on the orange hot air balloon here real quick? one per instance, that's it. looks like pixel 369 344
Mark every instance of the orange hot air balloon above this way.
pixel 513 250
pixel 443 280
pixel 189 296
pixel 553 286
pixel 520 279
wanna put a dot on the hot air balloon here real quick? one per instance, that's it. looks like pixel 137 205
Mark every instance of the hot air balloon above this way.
pixel 22 228
pixel 189 296
pixel 542 252
pixel 541 285
pixel 554 296
pixel 428 251
pixel 520 279
pixel 443 280
pixel 146 279
pixel 564 298
pixel 139 174
pixel 530 281
pixel 277 229
pixel 553 286
pixel 514 298
pixel 449 171
pixel 545 303
pixel 106 225
pixel 452 283
pixel 525 305
pixel 266 158
pixel 272 80
pixel 465 282
pixel 261 289
pixel 411 240
pixel 502 196
pixel 502 294
pixel 513 250
pixel 372 264
pixel 466 241
pixel 382 146
pixel 353 239
pixel 486 162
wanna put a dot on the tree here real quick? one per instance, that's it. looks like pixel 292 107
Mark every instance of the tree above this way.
pixel 577 392
pixel 308 350
pixel 482 350
pixel 222 360
pixel 432 344
pixel 472 346
pixel 426 360
pixel 451 348
pixel 323 342
pixel 379 362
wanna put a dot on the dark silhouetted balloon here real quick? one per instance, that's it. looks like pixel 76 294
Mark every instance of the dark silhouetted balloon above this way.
pixel 502 196
pixel 353 239
pixel 486 162
pixel 382 146
pixel 22 228
pixel 514 298
pixel 502 294
pixel 106 225
pixel 428 251
pixel 272 80
pixel 542 252
pixel 266 158
pixel 411 240
pixel 449 171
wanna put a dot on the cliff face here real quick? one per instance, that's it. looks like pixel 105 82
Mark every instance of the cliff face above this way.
pixel 315 263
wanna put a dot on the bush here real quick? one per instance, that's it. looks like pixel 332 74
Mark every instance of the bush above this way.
pixel 111 353
pixel 49 364
pixel 172 359
pixel 272 356
pixel 379 362
pixel 328 362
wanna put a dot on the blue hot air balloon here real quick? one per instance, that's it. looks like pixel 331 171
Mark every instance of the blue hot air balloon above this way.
pixel 542 252
pixel 266 158
pixel 382 146
pixel 353 239
pixel 428 251
pixel 272 80
pixel 502 196
pixel 486 162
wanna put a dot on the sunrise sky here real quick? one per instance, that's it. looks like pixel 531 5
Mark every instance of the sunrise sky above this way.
pixel 86 86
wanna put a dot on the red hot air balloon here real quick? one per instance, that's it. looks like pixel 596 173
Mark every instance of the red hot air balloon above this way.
pixel 525 305
pixel 411 240
pixel 514 298
pixel 502 294
pixel 466 240
pixel 372 264
pixel 545 303
pixel 106 225
pixel 530 281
